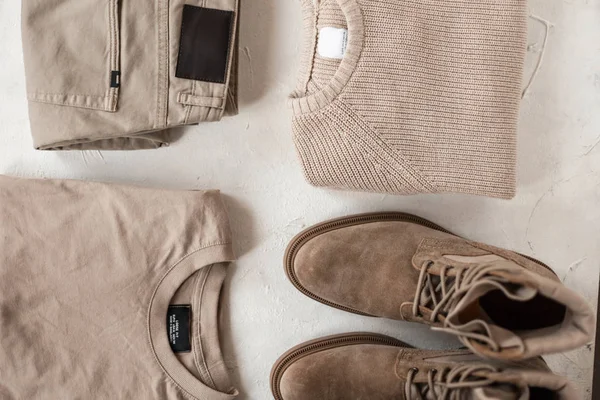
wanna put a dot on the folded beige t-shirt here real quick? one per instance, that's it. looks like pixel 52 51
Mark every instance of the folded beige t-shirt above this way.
pixel 110 292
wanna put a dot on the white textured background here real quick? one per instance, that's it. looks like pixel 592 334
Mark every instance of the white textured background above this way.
pixel 555 216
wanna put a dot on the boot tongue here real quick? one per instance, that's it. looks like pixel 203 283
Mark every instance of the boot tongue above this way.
pixel 501 392
pixel 469 317
pixel 497 390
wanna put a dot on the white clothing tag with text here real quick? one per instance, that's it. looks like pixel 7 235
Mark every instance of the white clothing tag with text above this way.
pixel 332 42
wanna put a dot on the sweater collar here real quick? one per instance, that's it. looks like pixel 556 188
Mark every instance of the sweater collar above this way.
pixel 301 100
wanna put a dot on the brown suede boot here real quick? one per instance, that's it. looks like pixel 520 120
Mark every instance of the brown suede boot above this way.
pixel 363 366
pixel 499 303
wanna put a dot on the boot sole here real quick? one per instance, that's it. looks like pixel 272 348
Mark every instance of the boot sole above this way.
pixel 322 344
pixel 308 234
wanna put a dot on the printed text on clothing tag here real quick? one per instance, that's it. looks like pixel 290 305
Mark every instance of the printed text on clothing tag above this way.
pixel 332 42
pixel 178 328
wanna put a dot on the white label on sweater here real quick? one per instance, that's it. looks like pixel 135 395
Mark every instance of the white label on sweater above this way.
pixel 332 42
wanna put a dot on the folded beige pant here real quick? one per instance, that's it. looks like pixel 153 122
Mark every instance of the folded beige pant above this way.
pixel 111 292
pixel 117 74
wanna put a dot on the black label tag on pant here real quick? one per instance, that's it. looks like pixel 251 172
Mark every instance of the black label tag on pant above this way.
pixel 178 328
pixel 115 79
pixel 204 44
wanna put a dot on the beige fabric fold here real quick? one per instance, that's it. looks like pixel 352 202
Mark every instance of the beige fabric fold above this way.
pixel 425 99
pixel 74 48
pixel 87 274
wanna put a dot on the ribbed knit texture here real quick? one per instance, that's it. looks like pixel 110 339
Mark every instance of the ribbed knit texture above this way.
pixel 425 100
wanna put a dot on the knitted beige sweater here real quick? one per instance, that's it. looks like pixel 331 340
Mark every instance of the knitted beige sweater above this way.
pixel 425 98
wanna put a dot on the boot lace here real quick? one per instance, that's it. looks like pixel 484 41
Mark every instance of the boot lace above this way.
pixel 448 383
pixel 442 293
